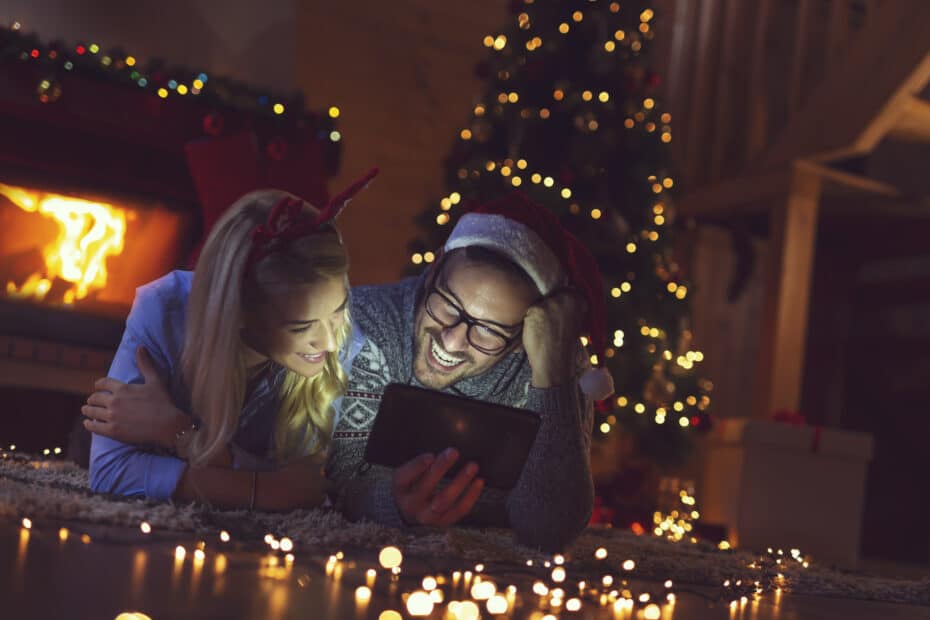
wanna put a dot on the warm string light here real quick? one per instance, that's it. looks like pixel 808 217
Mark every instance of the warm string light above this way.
pixel 679 522
pixel 498 43
pixel 688 360
pixel 609 590
pixel 390 557
pixel 465 594
pixel 648 109
pixel 686 418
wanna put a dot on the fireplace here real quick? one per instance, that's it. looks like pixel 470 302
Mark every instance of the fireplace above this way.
pixel 82 252
pixel 70 261
pixel 95 199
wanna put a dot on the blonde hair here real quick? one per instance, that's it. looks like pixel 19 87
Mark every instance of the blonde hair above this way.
pixel 224 289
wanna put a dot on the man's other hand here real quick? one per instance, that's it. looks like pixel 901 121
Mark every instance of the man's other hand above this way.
pixel 551 330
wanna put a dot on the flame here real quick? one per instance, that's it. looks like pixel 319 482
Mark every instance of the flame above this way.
pixel 88 233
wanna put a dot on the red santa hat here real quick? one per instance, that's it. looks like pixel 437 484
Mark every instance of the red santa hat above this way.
pixel 532 237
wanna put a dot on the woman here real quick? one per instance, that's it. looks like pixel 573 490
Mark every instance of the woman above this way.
pixel 222 387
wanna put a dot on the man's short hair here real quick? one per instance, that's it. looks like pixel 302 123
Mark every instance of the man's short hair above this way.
pixel 496 260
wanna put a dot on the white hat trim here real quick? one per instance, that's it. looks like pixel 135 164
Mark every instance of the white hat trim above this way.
pixel 513 239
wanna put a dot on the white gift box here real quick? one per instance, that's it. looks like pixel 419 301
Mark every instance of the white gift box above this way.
pixel 780 485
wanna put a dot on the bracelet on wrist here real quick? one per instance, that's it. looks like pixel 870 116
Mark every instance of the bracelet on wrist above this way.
pixel 182 437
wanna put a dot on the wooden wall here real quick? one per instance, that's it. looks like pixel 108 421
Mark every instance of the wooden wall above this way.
pixel 402 75
pixel 737 70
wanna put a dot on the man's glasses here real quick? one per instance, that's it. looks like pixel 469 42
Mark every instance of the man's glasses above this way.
pixel 483 337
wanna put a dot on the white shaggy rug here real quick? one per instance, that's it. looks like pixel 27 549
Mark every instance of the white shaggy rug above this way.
pixel 55 492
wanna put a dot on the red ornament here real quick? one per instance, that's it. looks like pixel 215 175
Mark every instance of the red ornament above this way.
pixel 277 148
pixel 601 514
pixel 213 124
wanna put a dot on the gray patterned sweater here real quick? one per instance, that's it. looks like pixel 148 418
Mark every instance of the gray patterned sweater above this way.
pixel 552 501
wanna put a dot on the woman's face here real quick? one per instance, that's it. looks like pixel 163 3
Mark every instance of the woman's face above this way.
pixel 299 328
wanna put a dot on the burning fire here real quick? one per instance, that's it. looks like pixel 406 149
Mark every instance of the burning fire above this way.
pixel 88 232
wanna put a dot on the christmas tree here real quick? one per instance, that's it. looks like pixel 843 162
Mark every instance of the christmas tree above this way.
pixel 572 116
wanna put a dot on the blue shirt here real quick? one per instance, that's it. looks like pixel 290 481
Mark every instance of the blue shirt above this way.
pixel 156 321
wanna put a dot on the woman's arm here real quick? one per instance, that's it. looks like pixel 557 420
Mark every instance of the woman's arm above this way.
pixel 124 469
pixel 118 466
pixel 299 484
pixel 145 414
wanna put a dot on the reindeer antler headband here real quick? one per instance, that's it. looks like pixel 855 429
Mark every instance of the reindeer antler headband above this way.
pixel 286 224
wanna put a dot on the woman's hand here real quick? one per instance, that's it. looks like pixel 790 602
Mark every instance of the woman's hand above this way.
pixel 133 413
pixel 299 484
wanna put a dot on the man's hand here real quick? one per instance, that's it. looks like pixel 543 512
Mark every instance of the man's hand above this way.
pixel 134 413
pixel 422 503
pixel 551 329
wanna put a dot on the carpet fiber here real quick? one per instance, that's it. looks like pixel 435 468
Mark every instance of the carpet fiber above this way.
pixel 55 492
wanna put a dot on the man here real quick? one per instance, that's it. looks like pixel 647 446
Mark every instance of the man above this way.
pixel 498 317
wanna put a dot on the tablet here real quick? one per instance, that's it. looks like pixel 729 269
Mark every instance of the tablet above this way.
pixel 412 421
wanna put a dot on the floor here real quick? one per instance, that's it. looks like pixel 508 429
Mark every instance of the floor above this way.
pixel 87 573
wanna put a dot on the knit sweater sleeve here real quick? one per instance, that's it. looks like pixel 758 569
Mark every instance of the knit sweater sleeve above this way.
pixel 554 496
pixel 362 492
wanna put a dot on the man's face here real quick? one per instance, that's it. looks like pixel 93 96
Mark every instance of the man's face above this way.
pixel 496 300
